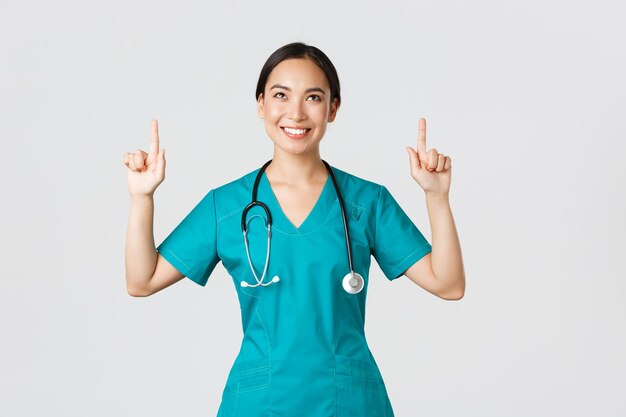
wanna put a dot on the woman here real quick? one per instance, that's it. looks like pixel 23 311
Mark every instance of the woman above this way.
pixel 304 350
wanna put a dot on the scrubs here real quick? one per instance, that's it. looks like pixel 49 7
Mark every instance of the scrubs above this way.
pixel 304 351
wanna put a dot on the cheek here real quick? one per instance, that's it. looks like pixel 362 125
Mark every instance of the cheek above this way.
pixel 320 114
pixel 273 113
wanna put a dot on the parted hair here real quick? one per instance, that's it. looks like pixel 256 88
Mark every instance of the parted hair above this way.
pixel 300 50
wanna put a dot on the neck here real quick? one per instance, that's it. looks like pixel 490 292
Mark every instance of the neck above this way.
pixel 297 169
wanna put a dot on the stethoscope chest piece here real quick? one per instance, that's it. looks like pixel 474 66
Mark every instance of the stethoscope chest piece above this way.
pixel 352 284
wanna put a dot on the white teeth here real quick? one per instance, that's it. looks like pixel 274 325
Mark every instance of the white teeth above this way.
pixel 295 131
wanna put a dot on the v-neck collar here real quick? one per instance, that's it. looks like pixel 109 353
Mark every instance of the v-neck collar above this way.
pixel 313 220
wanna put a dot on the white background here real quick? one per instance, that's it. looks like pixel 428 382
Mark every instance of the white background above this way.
pixel 528 98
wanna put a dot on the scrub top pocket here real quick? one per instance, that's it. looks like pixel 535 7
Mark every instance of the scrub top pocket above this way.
pixel 247 390
pixel 359 389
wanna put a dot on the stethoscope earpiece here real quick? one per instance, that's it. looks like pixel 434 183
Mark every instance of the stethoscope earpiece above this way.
pixel 352 282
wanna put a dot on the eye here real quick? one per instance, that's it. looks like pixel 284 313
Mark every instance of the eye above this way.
pixel 317 97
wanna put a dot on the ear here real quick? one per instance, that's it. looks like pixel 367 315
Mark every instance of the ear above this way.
pixel 259 106
pixel 333 110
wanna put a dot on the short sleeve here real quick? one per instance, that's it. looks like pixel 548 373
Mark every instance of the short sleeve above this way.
pixel 192 246
pixel 398 243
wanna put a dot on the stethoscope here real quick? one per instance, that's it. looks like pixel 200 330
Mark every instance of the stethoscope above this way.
pixel 352 282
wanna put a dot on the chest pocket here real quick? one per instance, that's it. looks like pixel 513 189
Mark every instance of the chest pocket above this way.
pixel 356 212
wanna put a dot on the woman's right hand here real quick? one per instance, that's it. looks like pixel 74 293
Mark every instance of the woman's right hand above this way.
pixel 146 170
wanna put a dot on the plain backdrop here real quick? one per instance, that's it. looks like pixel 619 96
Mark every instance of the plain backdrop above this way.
pixel 527 98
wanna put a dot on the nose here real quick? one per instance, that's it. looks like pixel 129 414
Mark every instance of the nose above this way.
pixel 296 111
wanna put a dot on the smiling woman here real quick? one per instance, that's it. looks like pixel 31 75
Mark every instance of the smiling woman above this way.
pixel 299 102
pixel 304 350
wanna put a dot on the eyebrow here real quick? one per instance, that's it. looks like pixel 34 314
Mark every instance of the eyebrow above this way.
pixel 306 91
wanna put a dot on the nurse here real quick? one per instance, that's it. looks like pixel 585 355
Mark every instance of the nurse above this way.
pixel 304 350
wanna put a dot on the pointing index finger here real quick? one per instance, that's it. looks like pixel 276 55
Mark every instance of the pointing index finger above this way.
pixel 154 138
pixel 421 137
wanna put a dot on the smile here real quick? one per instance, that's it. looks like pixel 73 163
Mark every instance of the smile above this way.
pixel 295 133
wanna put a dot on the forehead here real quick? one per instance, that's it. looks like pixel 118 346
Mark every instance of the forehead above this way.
pixel 297 73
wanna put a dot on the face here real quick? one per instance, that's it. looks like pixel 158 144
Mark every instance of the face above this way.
pixel 297 95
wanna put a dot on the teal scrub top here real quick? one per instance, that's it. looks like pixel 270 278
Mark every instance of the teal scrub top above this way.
pixel 304 350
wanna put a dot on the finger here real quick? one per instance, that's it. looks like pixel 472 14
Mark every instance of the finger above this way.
pixel 432 159
pixel 131 161
pixel 448 164
pixel 421 137
pixel 140 160
pixel 154 138
pixel 160 163
pixel 441 161
pixel 128 159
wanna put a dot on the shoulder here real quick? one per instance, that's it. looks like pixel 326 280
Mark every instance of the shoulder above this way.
pixel 356 190
pixel 231 197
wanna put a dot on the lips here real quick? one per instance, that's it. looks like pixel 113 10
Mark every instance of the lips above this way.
pixel 295 135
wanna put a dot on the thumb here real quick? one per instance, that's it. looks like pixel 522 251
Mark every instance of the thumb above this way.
pixel 413 157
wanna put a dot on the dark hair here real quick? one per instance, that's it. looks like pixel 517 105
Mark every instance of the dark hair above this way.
pixel 300 50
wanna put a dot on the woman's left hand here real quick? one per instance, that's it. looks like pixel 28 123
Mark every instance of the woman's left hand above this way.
pixel 431 170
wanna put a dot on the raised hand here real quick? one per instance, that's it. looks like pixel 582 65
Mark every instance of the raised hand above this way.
pixel 431 170
pixel 146 170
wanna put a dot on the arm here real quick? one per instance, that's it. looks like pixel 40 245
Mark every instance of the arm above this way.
pixel 440 272
pixel 146 271
pixel 141 255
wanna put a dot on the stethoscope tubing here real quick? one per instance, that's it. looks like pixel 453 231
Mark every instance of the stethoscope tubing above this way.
pixel 343 215
pixel 268 225
pixel 267 256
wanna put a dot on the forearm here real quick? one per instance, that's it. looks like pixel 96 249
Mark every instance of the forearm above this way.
pixel 141 255
pixel 446 259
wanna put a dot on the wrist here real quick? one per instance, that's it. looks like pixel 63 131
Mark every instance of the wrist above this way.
pixel 437 196
pixel 141 197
